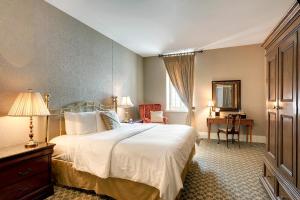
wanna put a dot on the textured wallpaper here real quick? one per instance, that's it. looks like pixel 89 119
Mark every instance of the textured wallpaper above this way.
pixel 44 49
pixel 47 50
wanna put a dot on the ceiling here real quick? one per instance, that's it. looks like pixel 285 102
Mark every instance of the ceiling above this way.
pixel 152 27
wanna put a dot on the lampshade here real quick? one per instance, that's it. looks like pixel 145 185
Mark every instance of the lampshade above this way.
pixel 210 103
pixel 125 102
pixel 29 104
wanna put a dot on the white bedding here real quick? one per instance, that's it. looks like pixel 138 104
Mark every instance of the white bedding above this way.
pixel 147 153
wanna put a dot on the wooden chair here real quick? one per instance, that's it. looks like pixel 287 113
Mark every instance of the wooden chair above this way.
pixel 233 122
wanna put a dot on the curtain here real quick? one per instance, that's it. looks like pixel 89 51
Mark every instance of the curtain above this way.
pixel 181 73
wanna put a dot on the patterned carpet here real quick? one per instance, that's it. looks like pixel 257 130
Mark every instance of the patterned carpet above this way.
pixel 217 173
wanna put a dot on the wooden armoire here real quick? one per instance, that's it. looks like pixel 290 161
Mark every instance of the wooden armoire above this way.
pixel 282 157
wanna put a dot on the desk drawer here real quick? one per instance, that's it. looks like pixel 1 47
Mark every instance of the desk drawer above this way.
pixel 25 187
pixel 24 169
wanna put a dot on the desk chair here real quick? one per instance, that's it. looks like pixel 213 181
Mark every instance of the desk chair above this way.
pixel 233 122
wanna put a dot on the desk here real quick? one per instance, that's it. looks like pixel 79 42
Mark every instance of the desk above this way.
pixel 221 120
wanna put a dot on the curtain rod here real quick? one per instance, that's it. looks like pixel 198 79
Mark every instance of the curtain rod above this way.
pixel 179 54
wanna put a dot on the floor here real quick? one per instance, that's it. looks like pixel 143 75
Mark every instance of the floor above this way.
pixel 217 173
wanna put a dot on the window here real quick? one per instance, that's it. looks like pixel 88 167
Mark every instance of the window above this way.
pixel 174 102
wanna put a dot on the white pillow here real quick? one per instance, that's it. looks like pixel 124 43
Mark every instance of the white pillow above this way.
pixel 100 123
pixel 80 123
pixel 156 116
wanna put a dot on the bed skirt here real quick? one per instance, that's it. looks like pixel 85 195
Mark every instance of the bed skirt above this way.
pixel 120 189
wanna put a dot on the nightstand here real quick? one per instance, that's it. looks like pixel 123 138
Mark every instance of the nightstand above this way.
pixel 25 173
pixel 134 121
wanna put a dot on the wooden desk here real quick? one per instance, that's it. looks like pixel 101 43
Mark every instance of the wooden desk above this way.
pixel 221 120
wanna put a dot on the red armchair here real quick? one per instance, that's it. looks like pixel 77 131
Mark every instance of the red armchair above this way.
pixel 145 112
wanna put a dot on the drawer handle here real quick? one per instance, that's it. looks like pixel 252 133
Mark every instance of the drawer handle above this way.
pixel 25 173
pixel 24 189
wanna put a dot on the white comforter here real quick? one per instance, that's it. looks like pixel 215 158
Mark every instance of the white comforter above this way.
pixel 146 153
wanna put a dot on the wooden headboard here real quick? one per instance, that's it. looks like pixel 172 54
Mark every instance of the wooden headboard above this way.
pixel 56 122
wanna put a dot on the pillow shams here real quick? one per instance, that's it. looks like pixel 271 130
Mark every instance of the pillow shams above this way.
pixel 157 116
pixel 80 123
pixel 110 119
pixel 100 124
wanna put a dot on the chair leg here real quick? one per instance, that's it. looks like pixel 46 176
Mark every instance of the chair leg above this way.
pixel 218 133
pixel 232 139
pixel 227 139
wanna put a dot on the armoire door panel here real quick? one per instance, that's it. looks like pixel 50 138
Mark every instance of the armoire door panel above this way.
pixel 271 143
pixel 272 80
pixel 287 66
pixel 272 74
pixel 287 108
pixel 286 143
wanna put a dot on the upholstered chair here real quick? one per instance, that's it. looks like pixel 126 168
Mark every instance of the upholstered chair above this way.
pixel 145 112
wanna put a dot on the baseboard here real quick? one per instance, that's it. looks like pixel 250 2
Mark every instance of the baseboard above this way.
pixel 255 138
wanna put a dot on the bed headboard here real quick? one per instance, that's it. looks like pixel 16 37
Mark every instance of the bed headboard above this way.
pixel 56 122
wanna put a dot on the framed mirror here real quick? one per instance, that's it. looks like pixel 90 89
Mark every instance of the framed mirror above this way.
pixel 226 95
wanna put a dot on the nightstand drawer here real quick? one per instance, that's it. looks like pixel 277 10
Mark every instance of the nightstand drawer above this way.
pixel 21 170
pixel 25 187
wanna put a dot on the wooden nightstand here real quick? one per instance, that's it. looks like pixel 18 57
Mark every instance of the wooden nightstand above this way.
pixel 26 173
pixel 134 121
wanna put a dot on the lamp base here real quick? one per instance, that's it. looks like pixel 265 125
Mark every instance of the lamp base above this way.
pixel 31 144
pixel 127 119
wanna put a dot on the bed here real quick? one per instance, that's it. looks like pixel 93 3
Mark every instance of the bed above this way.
pixel 135 161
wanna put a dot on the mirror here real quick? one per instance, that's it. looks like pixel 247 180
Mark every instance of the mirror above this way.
pixel 226 95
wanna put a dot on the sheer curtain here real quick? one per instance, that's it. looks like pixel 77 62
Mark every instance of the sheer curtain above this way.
pixel 181 73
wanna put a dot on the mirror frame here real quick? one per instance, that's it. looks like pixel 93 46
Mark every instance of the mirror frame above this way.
pixel 237 84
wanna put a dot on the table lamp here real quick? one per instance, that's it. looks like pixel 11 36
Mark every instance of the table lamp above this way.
pixel 29 104
pixel 126 103
pixel 210 104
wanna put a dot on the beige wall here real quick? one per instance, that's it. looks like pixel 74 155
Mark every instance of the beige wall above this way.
pixel 47 50
pixel 245 63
